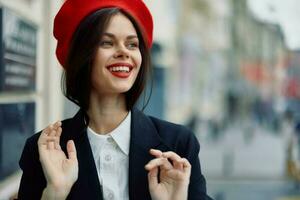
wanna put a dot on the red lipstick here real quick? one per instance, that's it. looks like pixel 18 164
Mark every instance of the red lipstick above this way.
pixel 120 70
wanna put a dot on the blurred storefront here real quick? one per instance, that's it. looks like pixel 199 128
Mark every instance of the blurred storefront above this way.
pixel 30 94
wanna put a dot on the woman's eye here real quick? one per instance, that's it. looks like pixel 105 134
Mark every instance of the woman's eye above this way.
pixel 133 45
pixel 106 43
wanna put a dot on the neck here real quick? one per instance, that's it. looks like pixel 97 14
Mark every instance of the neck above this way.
pixel 106 112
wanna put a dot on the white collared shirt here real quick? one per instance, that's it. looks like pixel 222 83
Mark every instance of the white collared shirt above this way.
pixel 111 155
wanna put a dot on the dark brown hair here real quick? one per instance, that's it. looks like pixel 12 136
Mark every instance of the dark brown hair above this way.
pixel 76 79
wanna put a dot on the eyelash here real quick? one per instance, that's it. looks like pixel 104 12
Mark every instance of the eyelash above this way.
pixel 135 44
pixel 106 42
pixel 131 45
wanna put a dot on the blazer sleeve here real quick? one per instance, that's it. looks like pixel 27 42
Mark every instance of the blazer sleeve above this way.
pixel 197 186
pixel 33 180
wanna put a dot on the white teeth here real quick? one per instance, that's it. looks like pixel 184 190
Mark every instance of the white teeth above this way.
pixel 119 69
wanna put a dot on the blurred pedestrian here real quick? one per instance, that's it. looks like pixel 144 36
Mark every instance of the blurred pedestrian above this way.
pixel 288 135
pixel 109 149
pixel 291 131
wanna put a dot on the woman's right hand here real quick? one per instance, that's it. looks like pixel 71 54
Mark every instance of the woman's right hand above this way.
pixel 60 172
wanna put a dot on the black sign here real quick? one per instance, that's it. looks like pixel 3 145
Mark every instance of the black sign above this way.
pixel 16 124
pixel 17 53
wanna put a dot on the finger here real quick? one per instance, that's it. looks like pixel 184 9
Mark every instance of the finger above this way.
pixel 58 134
pixel 50 145
pixel 178 165
pixel 44 140
pixel 50 139
pixel 57 146
pixel 186 165
pixel 44 136
pixel 171 155
pixel 153 178
pixel 175 158
pixel 159 162
pixel 155 152
pixel 71 150
pixel 176 174
pixel 56 125
pixel 47 130
pixel 52 131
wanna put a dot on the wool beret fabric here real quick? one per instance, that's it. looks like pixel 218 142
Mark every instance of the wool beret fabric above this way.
pixel 73 12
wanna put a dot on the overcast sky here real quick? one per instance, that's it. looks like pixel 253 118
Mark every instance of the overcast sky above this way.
pixel 284 12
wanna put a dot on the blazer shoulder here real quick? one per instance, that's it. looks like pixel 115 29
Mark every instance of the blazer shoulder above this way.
pixel 176 136
pixel 34 138
pixel 166 127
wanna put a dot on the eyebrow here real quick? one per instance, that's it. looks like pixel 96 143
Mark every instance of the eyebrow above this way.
pixel 113 36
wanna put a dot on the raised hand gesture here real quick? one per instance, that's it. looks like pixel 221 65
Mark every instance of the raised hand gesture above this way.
pixel 61 172
pixel 174 176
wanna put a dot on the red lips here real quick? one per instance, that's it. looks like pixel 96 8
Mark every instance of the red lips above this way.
pixel 120 74
pixel 120 64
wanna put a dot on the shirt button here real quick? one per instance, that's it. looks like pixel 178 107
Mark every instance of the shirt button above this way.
pixel 107 158
pixel 110 140
pixel 115 146
pixel 110 196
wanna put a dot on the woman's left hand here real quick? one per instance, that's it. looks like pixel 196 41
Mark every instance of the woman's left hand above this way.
pixel 173 179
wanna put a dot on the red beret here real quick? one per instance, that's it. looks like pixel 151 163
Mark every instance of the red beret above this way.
pixel 73 12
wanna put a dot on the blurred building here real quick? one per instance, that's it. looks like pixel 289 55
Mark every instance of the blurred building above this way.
pixel 231 78
pixel 258 60
pixel 30 96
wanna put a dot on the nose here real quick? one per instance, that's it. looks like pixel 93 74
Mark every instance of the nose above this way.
pixel 121 52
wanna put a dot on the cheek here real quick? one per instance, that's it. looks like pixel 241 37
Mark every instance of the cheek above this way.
pixel 95 76
pixel 100 60
pixel 100 57
pixel 98 67
pixel 103 55
pixel 138 60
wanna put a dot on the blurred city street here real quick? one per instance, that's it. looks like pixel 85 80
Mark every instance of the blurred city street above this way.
pixel 241 167
pixel 256 154
pixel 253 190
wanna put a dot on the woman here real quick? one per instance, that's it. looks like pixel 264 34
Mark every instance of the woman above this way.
pixel 109 149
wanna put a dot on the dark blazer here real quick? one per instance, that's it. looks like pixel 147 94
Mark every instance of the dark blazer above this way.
pixel 146 132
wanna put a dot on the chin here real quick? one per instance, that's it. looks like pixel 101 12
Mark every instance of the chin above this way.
pixel 124 90
pixel 123 87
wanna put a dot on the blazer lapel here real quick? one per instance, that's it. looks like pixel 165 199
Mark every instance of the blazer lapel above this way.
pixel 87 185
pixel 144 136
pixel 87 169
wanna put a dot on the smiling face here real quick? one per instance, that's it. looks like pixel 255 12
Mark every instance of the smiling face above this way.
pixel 118 58
pixel 98 61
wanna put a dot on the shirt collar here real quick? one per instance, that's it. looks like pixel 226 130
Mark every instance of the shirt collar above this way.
pixel 121 134
pixel 96 140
